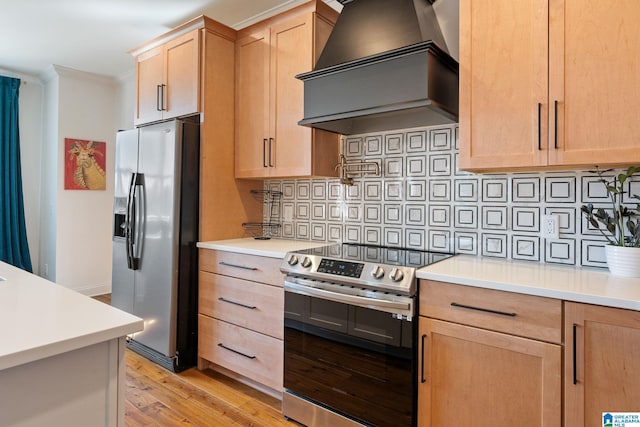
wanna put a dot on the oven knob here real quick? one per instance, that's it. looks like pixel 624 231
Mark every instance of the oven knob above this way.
pixel 396 275
pixel 293 260
pixel 377 272
pixel 306 262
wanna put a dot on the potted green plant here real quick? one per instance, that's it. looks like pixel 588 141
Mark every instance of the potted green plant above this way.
pixel 620 224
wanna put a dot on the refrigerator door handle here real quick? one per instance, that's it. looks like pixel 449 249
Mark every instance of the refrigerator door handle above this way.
pixel 137 212
pixel 128 223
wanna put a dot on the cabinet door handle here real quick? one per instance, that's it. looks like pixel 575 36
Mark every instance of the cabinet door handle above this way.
pixel 163 105
pixel 539 126
pixel 575 357
pixel 485 310
pixel 237 266
pixel 270 156
pixel 251 307
pixel 555 125
pixel 422 377
pixel 264 153
pixel 158 97
pixel 235 351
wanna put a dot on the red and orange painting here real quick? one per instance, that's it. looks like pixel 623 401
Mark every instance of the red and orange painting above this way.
pixel 84 164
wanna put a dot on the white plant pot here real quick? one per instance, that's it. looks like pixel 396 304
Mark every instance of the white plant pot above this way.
pixel 623 260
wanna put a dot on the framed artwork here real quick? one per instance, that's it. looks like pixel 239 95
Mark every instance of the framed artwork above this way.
pixel 84 164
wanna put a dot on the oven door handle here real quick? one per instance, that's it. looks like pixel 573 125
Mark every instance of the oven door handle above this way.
pixel 397 307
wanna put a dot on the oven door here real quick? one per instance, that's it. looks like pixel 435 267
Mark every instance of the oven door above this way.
pixel 352 356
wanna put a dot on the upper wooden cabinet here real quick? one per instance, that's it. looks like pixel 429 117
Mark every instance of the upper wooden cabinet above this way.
pixel 548 83
pixel 602 363
pixel 196 63
pixel 167 79
pixel 269 99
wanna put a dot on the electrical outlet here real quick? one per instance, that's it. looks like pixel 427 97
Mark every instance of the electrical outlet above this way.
pixel 550 226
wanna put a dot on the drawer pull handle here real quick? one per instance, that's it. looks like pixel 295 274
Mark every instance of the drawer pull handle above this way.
pixel 235 351
pixel 252 307
pixel 237 266
pixel 575 349
pixel 422 377
pixel 486 310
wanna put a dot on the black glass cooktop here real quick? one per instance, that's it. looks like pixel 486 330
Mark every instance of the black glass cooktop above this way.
pixel 378 254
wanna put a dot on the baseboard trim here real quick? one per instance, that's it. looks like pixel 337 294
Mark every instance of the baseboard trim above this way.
pixel 92 291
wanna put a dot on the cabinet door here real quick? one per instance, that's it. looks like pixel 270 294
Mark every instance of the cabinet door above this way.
pixel 503 83
pixel 149 66
pixel 182 75
pixel 593 71
pixel 252 105
pixel 475 377
pixel 602 363
pixel 291 54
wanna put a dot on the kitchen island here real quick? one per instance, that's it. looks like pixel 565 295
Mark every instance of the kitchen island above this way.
pixel 61 355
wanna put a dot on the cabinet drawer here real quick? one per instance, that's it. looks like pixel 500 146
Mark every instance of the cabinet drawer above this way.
pixel 250 267
pixel 241 302
pixel 253 355
pixel 517 314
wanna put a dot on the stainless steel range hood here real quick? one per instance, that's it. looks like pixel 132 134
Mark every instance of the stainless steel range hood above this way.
pixel 385 66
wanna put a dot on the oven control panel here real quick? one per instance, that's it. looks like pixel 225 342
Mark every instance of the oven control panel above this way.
pixel 383 277
pixel 340 268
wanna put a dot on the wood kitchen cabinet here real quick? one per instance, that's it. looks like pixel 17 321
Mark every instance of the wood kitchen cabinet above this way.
pixel 240 317
pixel 548 83
pixel 602 363
pixel 269 99
pixel 197 59
pixel 488 357
pixel 167 79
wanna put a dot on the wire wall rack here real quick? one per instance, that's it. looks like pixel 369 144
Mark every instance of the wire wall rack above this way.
pixel 271 225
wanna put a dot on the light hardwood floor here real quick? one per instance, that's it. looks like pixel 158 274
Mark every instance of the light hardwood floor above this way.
pixel 155 396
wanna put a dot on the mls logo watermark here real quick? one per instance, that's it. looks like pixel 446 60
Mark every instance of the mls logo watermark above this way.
pixel 621 419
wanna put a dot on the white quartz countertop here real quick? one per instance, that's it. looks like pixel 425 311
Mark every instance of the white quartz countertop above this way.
pixel 39 319
pixel 588 285
pixel 272 248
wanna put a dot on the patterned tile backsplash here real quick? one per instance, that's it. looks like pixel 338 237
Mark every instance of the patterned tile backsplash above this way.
pixel 423 201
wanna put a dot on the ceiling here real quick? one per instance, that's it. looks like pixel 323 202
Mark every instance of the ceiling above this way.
pixel 95 35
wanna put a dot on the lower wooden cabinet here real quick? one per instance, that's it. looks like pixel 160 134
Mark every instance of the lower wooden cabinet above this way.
pixel 490 357
pixel 241 317
pixel 602 363
pixel 475 377
pixel 251 354
pixel 472 375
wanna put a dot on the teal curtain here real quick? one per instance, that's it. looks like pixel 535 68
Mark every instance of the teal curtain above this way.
pixel 13 234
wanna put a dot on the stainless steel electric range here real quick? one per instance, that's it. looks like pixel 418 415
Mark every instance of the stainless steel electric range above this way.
pixel 351 334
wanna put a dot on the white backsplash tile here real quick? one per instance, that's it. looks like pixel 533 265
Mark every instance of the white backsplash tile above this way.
pixel 422 201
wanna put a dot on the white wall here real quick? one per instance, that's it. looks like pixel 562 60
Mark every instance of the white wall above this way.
pixel 48 200
pixel 69 232
pixel 86 110
pixel 30 104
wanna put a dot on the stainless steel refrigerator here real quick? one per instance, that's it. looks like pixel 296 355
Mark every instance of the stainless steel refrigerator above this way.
pixel 155 227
